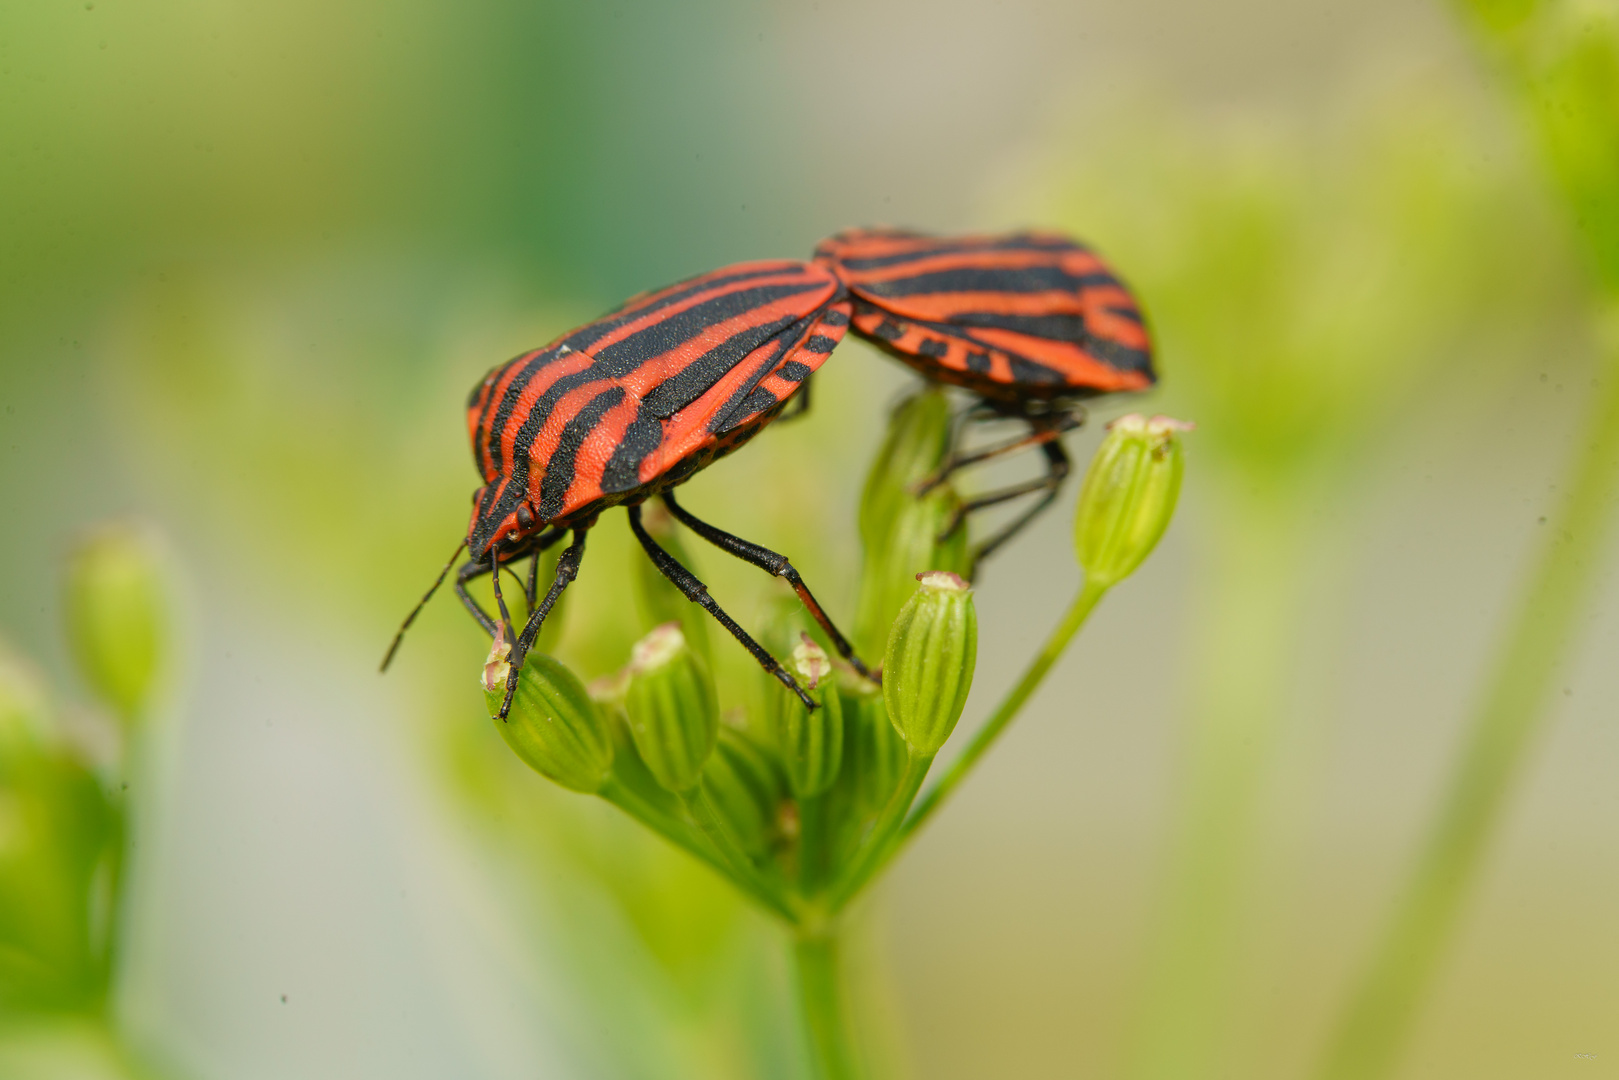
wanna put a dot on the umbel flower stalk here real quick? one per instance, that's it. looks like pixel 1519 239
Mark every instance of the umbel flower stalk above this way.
pixel 801 809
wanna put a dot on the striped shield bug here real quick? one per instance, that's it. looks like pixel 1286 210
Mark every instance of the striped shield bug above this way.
pixel 1031 323
pixel 627 407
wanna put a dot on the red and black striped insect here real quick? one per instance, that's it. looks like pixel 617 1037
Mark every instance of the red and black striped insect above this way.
pixel 628 407
pixel 1032 323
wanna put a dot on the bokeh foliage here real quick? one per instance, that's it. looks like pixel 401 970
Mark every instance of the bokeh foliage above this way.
pixel 252 260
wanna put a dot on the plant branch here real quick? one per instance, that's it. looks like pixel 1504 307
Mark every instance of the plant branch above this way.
pixel 872 856
pixel 1512 711
pixel 821 1001
pixel 739 867
pixel 986 735
pixel 677 832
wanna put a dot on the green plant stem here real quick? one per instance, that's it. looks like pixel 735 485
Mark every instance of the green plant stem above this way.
pixel 812 844
pixel 1008 709
pixel 880 843
pixel 674 830
pixel 1511 713
pixel 739 866
pixel 682 835
pixel 820 991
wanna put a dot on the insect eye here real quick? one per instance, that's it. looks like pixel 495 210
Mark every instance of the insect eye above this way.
pixel 525 516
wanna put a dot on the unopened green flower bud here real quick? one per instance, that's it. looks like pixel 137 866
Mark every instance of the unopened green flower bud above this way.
pixel 674 719
pixel 925 533
pixel 918 439
pixel 553 725
pixel 1128 496
pixel 928 669
pixel 116 616
pixel 746 789
pixel 810 742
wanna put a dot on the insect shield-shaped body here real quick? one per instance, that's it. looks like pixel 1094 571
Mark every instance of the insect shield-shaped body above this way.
pixel 640 399
pixel 627 407
pixel 1032 323
pixel 1019 319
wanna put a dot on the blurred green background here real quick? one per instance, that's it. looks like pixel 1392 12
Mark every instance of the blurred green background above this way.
pixel 253 256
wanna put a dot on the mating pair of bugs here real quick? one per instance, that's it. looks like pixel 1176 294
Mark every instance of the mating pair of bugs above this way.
pixel 631 405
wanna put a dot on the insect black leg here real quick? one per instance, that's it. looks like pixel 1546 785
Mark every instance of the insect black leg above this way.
pixel 1057 468
pixel 567 570
pixel 467 572
pixel 994 498
pixel 773 563
pixel 393 646
pixel 697 593
pixel 1042 433
pixel 500 600
pixel 477 569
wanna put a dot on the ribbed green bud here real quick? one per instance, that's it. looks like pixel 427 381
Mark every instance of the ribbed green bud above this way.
pixel 913 545
pixel 899 530
pixel 746 788
pixel 117 617
pixel 1128 496
pixel 918 439
pixel 553 725
pixel 660 601
pixel 810 742
pixel 674 719
pixel 928 669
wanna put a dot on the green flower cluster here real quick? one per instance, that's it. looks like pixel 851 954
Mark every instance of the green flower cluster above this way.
pixel 801 807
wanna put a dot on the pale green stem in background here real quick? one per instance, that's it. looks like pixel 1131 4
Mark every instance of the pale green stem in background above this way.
pixel 1230 743
pixel 128 1060
pixel 820 988
pixel 986 735
pixel 874 853
pixel 1512 711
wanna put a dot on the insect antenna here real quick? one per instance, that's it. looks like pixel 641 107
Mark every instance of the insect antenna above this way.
pixel 417 610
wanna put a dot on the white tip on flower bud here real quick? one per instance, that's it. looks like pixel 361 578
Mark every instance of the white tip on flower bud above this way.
pixel 610 689
pixel 497 665
pixel 943 579
pixel 658 647
pixel 1128 496
pixel 928 668
pixel 810 742
pixel 674 719
pixel 553 724
pixel 811 661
